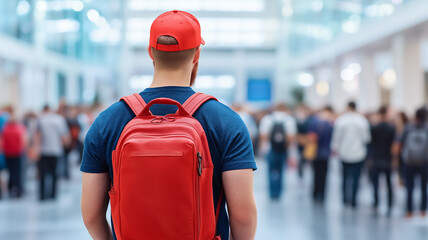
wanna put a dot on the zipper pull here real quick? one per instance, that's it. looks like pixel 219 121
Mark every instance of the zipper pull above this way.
pixel 199 163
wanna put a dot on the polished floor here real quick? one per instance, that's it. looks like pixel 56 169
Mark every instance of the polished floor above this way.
pixel 295 216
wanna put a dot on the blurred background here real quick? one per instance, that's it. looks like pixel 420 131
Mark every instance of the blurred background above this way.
pixel 80 56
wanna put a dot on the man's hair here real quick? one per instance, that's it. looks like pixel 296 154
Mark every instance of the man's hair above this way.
pixel 46 107
pixel 421 115
pixel 352 105
pixel 383 111
pixel 280 107
pixel 171 60
pixel 329 109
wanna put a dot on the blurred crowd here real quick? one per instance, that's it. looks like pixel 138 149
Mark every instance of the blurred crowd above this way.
pixel 42 140
pixel 381 143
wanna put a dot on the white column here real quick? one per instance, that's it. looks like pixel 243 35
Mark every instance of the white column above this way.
pixel 89 86
pixel 311 97
pixel 408 94
pixel 321 74
pixel 282 84
pixel 338 97
pixel 369 98
pixel 51 90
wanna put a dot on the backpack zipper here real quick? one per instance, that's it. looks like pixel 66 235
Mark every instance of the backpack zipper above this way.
pixel 199 163
pixel 198 195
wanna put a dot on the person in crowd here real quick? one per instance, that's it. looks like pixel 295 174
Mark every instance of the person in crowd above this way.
pixel 302 114
pixel 383 136
pixel 175 62
pixel 400 122
pixel 13 145
pixel 4 117
pixel 351 134
pixel 75 129
pixel 248 120
pixel 373 119
pixel 278 131
pixel 415 156
pixel 258 116
pixel 319 134
pixel 54 135
pixel 31 123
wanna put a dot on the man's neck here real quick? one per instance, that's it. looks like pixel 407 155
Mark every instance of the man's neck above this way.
pixel 171 78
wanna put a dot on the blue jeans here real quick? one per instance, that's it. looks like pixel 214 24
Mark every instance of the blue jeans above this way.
pixel 276 162
pixel 351 182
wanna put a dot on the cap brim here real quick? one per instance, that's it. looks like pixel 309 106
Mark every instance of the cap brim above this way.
pixel 202 41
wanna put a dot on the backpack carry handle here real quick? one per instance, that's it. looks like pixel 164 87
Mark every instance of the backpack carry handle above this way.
pixel 166 101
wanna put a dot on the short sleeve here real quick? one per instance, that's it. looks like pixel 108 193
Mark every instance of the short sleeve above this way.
pixel 94 157
pixel 238 152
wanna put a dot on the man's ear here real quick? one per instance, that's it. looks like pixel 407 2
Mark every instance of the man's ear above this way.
pixel 197 55
pixel 149 49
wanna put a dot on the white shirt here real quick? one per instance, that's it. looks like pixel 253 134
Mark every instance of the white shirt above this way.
pixel 289 122
pixel 351 134
pixel 52 127
pixel 267 122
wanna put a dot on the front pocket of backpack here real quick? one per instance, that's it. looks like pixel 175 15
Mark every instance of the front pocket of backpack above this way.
pixel 158 202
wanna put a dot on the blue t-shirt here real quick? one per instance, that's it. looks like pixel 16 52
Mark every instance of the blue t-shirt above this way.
pixel 324 131
pixel 228 138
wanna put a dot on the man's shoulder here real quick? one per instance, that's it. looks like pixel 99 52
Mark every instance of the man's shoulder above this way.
pixel 116 114
pixel 218 115
pixel 218 108
pixel 114 109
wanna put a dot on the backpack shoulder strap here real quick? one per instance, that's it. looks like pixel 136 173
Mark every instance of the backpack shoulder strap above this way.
pixel 135 102
pixel 195 101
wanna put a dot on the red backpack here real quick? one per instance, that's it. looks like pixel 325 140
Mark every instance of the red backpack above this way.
pixel 13 139
pixel 162 175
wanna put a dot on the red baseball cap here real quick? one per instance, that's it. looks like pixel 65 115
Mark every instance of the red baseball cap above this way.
pixel 183 26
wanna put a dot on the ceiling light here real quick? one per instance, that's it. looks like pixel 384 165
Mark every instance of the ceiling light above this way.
pixel 305 79
pixel 388 79
pixel 323 88
pixel 355 67
pixel 93 15
pixel 347 75
pixel 77 6
pixel 23 8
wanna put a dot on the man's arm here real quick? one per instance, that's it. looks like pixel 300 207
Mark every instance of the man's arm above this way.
pixel 241 205
pixel 95 199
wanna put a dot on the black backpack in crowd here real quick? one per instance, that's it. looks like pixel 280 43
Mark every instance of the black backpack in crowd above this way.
pixel 278 140
pixel 415 151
